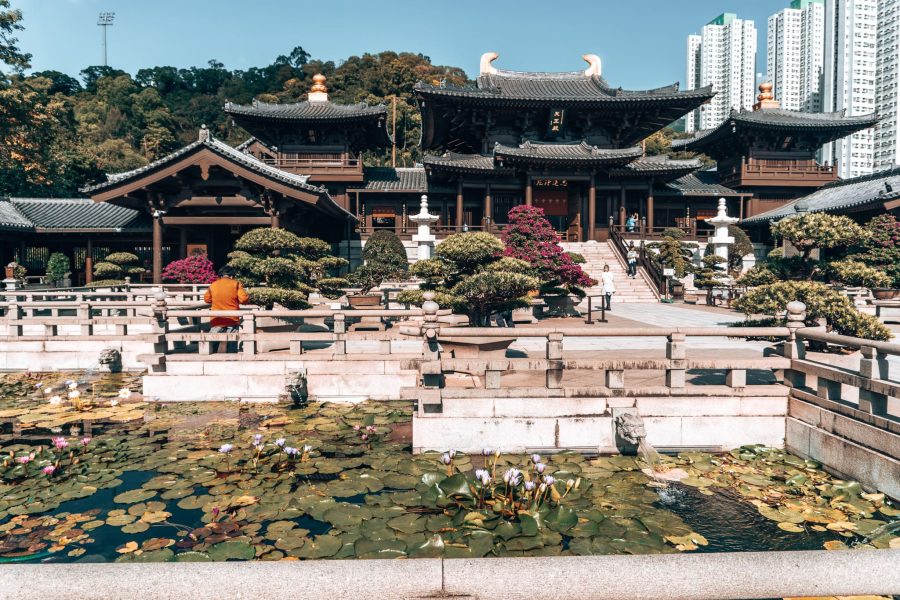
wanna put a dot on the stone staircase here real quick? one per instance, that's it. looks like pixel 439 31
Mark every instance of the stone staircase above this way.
pixel 597 254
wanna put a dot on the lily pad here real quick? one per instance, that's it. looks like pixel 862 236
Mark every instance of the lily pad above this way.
pixel 231 550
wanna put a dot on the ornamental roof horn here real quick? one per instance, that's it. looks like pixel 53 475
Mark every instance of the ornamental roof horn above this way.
pixel 593 62
pixel 486 67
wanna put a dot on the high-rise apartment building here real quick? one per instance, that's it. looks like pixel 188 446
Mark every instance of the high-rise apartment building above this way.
pixel 724 56
pixel 795 53
pixel 887 86
pixel 851 28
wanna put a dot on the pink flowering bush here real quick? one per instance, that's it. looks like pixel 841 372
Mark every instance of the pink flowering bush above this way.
pixel 531 238
pixel 193 269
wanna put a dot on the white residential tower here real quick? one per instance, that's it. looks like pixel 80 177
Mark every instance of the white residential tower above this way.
pixel 887 86
pixel 795 54
pixel 724 56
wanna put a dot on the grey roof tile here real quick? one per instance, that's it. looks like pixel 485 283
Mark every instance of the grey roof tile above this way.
pixel 581 152
pixel 307 111
pixel 12 219
pixel 400 179
pixel 700 183
pixel 64 214
pixel 857 192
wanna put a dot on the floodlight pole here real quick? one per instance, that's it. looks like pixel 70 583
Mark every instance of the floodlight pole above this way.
pixel 105 20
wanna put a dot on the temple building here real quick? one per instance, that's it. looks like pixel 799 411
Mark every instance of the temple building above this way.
pixel 568 142
pixel 770 153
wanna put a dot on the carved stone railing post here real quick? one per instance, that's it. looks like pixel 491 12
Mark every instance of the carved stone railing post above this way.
pixel 13 319
pixel 160 324
pixel 85 319
pixel 873 365
pixel 432 372
pixel 554 360
pixel 675 352
pixel 248 333
pixel 340 334
pixel 793 346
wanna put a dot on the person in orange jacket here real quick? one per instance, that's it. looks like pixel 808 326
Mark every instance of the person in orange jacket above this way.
pixel 225 293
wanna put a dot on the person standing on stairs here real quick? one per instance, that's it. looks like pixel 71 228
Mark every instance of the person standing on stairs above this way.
pixel 630 223
pixel 609 286
pixel 632 257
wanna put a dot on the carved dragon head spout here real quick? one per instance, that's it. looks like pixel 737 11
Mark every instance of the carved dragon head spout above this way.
pixel 593 62
pixel 630 428
pixel 486 67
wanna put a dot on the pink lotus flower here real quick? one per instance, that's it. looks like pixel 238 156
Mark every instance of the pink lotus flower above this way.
pixel 48 470
pixel 25 459
pixel 85 441
pixel 60 443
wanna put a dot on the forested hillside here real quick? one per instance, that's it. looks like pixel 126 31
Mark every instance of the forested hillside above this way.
pixel 58 132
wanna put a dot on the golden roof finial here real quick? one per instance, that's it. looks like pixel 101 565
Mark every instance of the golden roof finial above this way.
pixel 318 92
pixel 766 98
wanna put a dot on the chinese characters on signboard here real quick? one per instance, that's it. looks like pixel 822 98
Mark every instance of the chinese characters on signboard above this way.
pixel 551 183
pixel 557 122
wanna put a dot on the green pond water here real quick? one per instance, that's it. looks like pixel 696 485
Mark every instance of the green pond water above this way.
pixel 135 481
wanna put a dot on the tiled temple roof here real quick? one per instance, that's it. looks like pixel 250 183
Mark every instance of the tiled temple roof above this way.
pixel 11 219
pixel 658 166
pixel 566 88
pixel 699 183
pixel 80 214
pixel 830 126
pixel 307 111
pixel 840 196
pixel 579 153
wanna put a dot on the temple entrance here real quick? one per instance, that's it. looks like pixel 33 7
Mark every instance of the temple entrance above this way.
pixel 552 195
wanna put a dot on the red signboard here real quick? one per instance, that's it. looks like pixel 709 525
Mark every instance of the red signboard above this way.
pixel 554 202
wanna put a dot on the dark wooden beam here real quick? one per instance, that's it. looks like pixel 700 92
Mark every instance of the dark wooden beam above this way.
pixel 217 220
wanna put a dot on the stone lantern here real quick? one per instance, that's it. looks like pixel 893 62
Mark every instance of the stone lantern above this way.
pixel 424 220
pixel 721 239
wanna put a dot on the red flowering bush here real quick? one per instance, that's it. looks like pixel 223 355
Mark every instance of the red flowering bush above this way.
pixel 193 269
pixel 531 237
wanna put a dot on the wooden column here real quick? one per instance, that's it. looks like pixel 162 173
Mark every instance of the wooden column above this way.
pixel 89 262
pixel 276 220
pixel 528 192
pixel 650 207
pixel 488 219
pixel 622 215
pixel 459 205
pixel 182 242
pixel 592 209
pixel 157 250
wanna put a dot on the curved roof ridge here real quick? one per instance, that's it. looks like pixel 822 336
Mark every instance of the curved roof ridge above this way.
pixel 895 171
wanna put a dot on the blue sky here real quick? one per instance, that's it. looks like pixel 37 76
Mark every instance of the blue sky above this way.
pixel 641 42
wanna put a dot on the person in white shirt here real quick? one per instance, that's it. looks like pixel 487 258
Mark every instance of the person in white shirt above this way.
pixel 632 257
pixel 609 286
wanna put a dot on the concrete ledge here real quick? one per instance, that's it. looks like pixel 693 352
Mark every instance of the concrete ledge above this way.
pixel 726 576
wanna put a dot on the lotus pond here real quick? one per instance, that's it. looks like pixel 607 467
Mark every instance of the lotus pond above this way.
pixel 91 472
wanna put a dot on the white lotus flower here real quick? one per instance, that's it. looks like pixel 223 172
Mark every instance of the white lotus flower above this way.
pixel 55 400
pixel 74 394
pixel 73 385
pixel 48 390
pixel 125 393
pixel 113 402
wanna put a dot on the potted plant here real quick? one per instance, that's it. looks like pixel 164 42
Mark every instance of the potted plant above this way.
pixel 58 268
pixel 365 278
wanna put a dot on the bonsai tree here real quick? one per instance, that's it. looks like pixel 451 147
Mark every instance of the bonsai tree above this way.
pixel 192 269
pixel 277 266
pixel 808 232
pixel 821 302
pixel 530 237
pixel 672 252
pixel 369 276
pixel 470 275
pixel 58 266
pixel 709 275
pixel 881 247
pixel 117 266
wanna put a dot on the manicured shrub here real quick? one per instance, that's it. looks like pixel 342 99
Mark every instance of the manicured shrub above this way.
pixel 368 276
pixel 857 273
pixel 385 251
pixel 416 298
pixel 122 259
pixel 117 265
pixel 107 270
pixel 672 253
pixel 332 287
pixel 488 292
pixel 466 252
pixel 530 237
pixel 268 297
pixel 761 274
pixel 196 268
pixel 808 232
pixel 881 246
pixel 58 266
pixel 821 302
pixel 274 259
